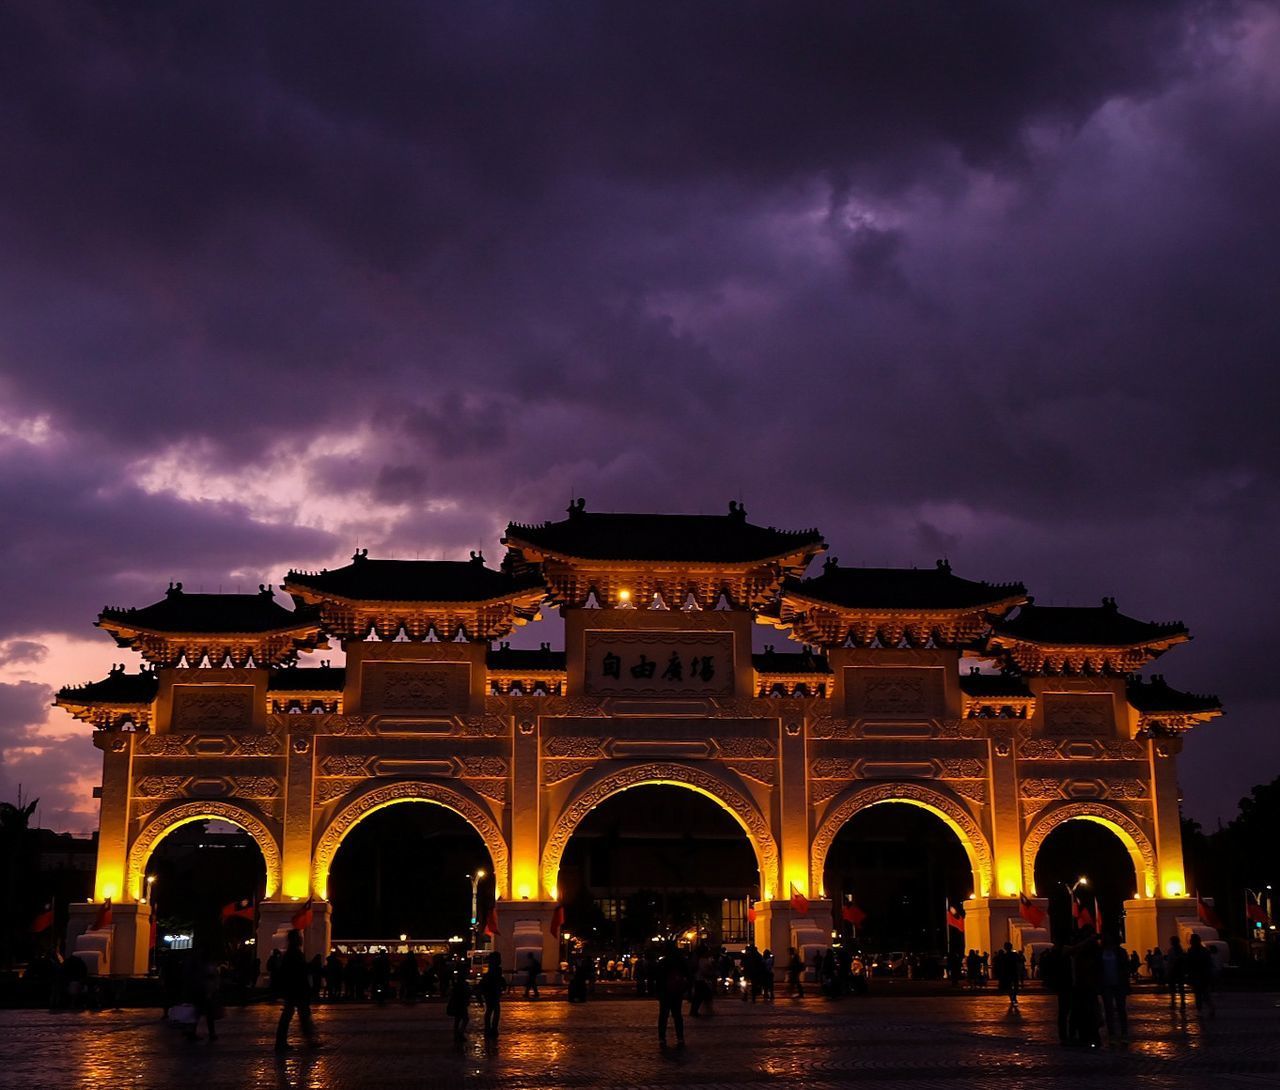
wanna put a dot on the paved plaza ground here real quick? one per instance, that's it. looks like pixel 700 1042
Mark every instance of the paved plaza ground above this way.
pixel 952 1042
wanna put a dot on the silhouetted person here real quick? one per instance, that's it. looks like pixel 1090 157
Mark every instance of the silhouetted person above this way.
pixel 1175 969
pixel 1200 975
pixel 531 979
pixel 492 984
pixel 1055 975
pixel 704 982
pixel 795 974
pixel 1086 978
pixel 380 976
pixel 1115 988
pixel 458 1006
pixel 408 975
pixel 672 980
pixel 295 989
pixel 200 985
pixel 333 976
pixel 1009 967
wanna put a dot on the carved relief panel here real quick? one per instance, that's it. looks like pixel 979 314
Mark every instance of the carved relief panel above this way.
pixel 914 692
pixel 415 688
pixel 1079 714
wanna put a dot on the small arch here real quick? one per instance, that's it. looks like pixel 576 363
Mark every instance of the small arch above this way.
pixel 950 810
pixel 184 813
pixel 1123 825
pixel 730 798
pixel 383 795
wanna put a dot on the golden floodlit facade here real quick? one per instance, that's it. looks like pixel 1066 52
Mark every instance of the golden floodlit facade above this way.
pixel 1002 717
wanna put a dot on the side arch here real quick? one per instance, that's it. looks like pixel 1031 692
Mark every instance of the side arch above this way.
pixel 742 808
pixel 1123 825
pixel 950 810
pixel 184 813
pixel 380 796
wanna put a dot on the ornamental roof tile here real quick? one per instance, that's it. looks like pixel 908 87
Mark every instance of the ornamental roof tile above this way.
pixel 118 687
pixel 901 588
pixel 365 580
pixel 506 657
pixel 312 679
pixel 1157 696
pixel 1085 626
pixel 994 685
pixel 705 539
pixel 790 662
pixel 209 614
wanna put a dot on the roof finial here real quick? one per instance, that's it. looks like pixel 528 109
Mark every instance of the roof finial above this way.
pixel 577 507
pixel 737 511
pixel 265 591
pixel 831 563
pixel 1109 604
pixel 359 555
pixel 944 566
pixel 477 556
pixel 174 589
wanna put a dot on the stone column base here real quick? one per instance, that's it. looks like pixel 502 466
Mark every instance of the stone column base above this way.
pixel 779 927
pixel 524 927
pixel 129 946
pixel 275 921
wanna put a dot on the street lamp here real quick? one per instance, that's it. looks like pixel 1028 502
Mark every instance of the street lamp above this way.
pixel 475 920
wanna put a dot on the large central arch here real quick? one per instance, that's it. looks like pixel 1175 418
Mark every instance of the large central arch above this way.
pixel 730 798
pixel 1115 819
pixel 184 813
pixel 380 796
pixel 928 798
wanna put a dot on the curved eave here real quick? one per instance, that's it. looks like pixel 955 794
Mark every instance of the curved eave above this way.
pixel 997 607
pixel 530 597
pixel 792 558
pixel 1156 646
pixel 124 633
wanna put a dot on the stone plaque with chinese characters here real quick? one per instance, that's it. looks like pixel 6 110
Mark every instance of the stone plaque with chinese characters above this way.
pixel 212 708
pixel 415 688
pixel 659 664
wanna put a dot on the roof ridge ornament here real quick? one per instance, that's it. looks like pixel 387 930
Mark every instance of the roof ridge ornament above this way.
pixel 944 566
pixel 174 590
pixel 577 508
pixel 477 557
pixel 359 555
pixel 737 511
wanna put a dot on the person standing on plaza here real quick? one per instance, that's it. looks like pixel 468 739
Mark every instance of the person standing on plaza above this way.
pixel 671 984
pixel 294 985
pixel 531 979
pixel 704 977
pixel 492 984
pixel 795 975
pixel 458 1006
pixel 766 974
pixel 1009 968
pixel 201 987
pixel 1055 976
pixel 1086 985
pixel 1199 975
pixel 1115 988
pixel 1175 971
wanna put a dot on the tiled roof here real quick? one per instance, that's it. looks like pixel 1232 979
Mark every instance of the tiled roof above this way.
pixel 900 588
pixel 314 679
pixel 1156 696
pixel 723 539
pixel 1085 626
pixel 366 580
pixel 179 612
pixel 506 657
pixel 790 662
pixel 118 687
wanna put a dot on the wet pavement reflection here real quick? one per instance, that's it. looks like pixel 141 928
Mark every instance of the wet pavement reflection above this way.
pixel 953 1041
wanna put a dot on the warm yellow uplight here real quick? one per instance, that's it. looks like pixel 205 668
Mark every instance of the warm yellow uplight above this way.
pixel 1173 889
pixel 624 595
pixel 523 893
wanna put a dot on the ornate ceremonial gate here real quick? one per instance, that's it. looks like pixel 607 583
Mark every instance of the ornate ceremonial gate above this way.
pixel 657 685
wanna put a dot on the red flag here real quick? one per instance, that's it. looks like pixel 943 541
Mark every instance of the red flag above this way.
pixel 1082 916
pixel 955 918
pixel 1207 915
pixel 301 919
pixel 557 921
pixel 1030 911
pixel 851 913
pixel 491 922
pixel 751 913
pixel 242 908
pixel 44 920
pixel 103 916
pixel 799 902
pixel 1254 912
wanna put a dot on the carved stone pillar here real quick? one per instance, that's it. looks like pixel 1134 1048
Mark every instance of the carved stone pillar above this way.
pixel 525 809
pixel 299 791
pixel 1168 825
pixel 113 816
pixel 793 816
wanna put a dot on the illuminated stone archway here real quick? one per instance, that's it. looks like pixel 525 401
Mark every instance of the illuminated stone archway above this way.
pixel 1129 832
pixel 174 817
pixel 744 811
pixel 380 797
pixel 956 817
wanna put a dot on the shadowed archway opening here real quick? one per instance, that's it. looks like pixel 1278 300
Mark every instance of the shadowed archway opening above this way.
pixel 1077 849
pixel 902 865
pixel 403 870
pixel 658 859
pixel 199 869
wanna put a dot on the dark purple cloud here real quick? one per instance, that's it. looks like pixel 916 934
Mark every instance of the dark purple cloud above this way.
pixel 995 281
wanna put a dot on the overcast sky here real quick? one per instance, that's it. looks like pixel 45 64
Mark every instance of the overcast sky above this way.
pixel 994 281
